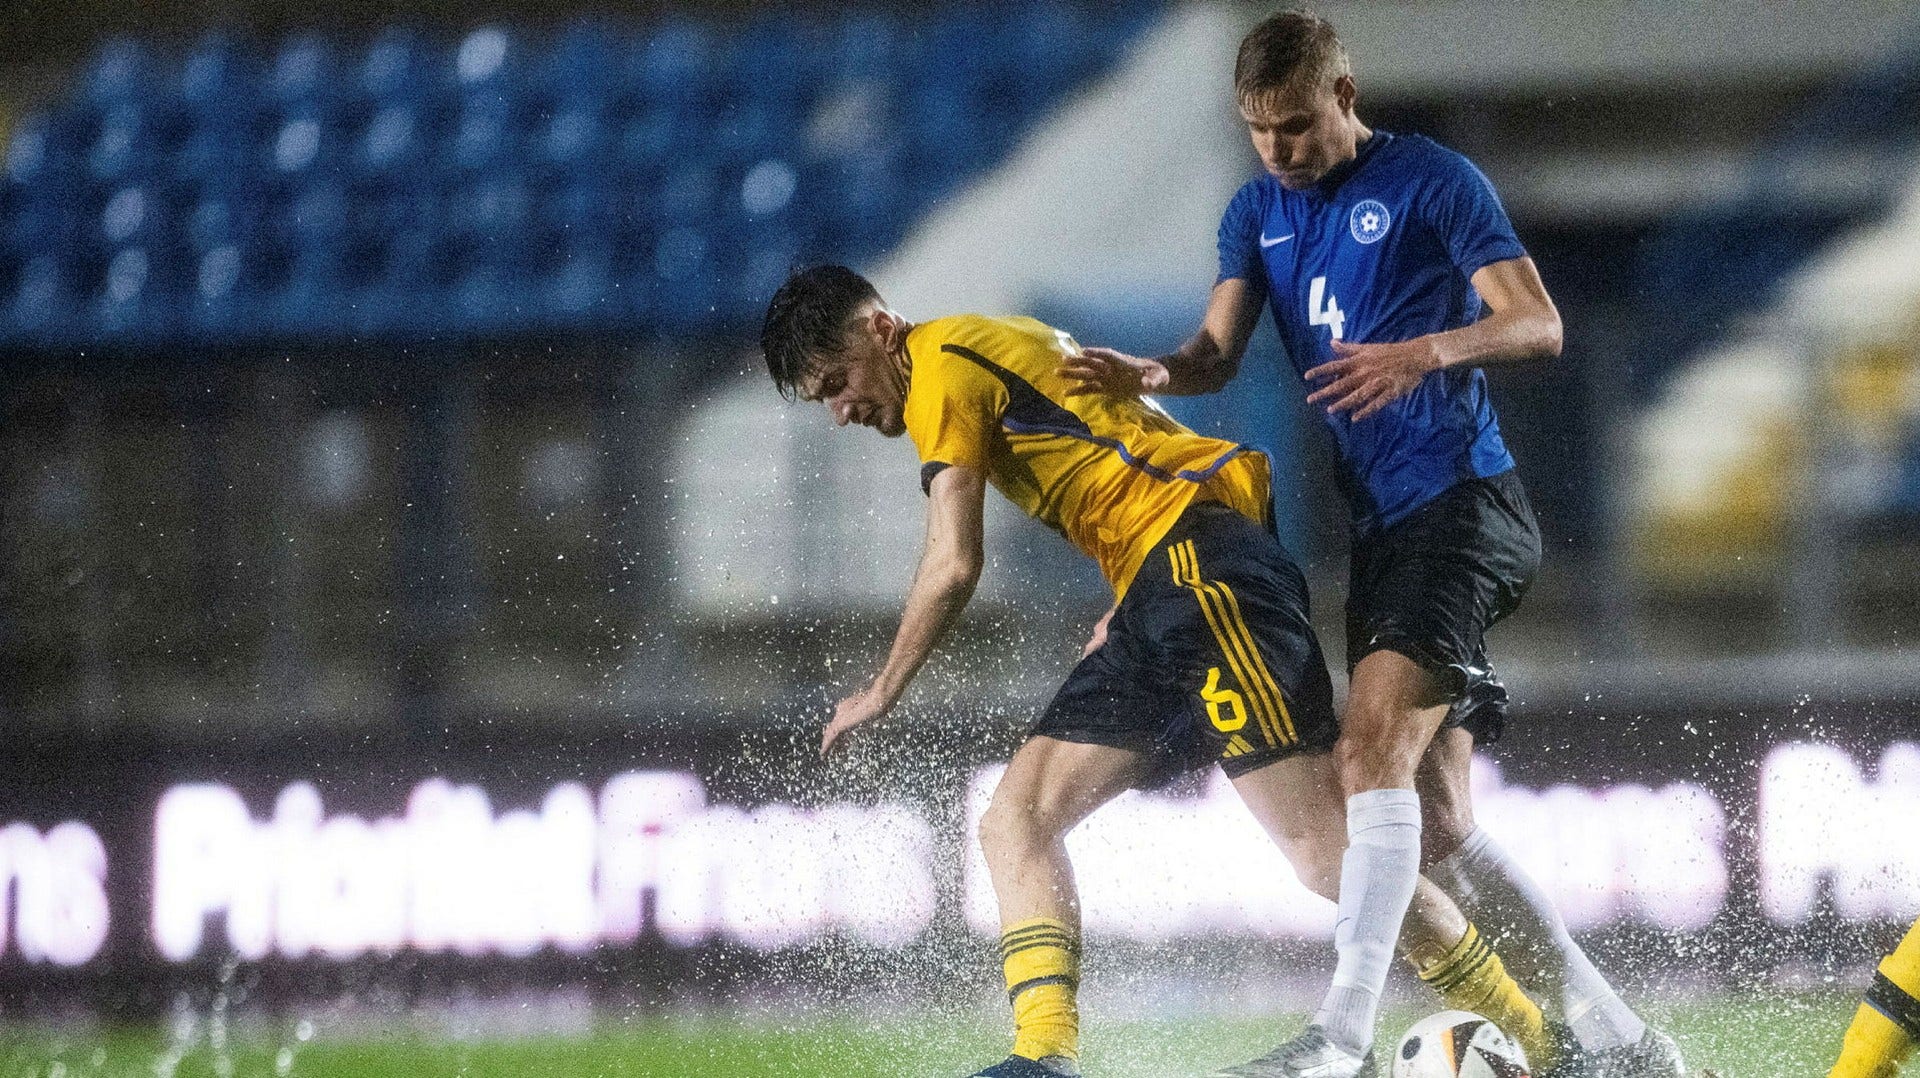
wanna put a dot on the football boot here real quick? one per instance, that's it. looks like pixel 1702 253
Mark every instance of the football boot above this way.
pixel 1310 1055
pixel 1655 1055
pixel 1022 1067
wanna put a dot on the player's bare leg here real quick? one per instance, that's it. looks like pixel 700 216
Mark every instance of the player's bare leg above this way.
pixel 1049 787
pixel 1499 895
pixel 1393 709
pixel 1886 1026
pixel 1300 803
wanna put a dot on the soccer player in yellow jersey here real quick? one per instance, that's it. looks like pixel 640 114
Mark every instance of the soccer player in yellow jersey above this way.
pixel 1207 654
pixel 1887 1025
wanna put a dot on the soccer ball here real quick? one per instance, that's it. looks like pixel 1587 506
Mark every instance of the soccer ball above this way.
pixel 1458 1044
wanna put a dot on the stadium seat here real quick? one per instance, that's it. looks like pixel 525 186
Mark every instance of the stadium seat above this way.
pixel 671 65
pixel 486 66
pixel 303 74
pixel 224 285
pixel 688 194
pixel 579 66
pixel 120 73
pixel 572 138
pixel 217 79
pixel 41 300
pixel 303 143
pixel 593 177
pixel 391 143
pixel 396 69
pixel 580 280
pixel 482 136
pixel 122 145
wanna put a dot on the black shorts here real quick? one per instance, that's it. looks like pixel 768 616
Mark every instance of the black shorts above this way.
pixel 1209 657
pixel 1432 585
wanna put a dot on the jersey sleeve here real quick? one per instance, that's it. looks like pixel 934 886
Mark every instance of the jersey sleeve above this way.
pixel 1468 216
pixel 1240 239
pixel 953 415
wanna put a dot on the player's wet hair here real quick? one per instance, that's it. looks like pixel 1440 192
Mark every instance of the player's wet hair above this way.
pixel 807 319
pixel 1294 48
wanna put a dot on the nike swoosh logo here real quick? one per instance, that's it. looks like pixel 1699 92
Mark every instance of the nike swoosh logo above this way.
pixel 1265 242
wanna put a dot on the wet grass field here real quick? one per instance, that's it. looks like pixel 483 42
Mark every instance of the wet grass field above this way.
pixel 1771 1034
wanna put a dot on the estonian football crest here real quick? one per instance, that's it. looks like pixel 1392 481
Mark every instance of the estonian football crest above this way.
pixel 1369 221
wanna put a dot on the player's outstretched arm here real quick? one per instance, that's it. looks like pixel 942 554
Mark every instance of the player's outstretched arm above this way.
pixel 949 569
pixel 1207 362
pixel 1522 324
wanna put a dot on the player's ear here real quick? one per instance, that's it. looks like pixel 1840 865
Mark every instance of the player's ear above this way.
pixel 1346 92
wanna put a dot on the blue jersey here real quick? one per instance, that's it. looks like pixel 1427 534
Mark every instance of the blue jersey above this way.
pixel 1382 250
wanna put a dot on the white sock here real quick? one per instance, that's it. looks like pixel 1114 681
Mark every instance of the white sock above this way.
pixel 1377 878
pixel 1504 901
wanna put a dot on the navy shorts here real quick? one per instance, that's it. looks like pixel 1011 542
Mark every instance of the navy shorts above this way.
pixel 1209 657
pixel 1432 585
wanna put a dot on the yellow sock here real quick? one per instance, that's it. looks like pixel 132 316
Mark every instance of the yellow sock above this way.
pixel 1042 960
pixel 1470 977
pixel 1887 1024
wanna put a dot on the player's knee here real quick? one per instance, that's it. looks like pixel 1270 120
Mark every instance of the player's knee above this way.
pixel 1444 825
pixel 1371 764
pixel 1010 827
pixel 1440 834
pixel 1319 871
pixel 1315 853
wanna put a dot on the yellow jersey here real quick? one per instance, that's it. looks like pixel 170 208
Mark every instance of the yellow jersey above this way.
pixel 1111 474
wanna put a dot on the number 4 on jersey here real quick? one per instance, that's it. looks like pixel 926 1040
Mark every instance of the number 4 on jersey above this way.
pixel 1330 315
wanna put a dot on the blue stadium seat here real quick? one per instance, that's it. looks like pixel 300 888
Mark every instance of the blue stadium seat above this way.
pixel 671 65
pixel 123 298
pixel 647 139
pixel 303 143
pixel 580 282
pixel 771 58
pixel 392 142
pixel 314 217
pixel 686 279
pixel 771 258
pixel 217 151
pixel 36 219
pixel 131 215
pixel 217 79
pixel 42 300
pixel 390 208
pixel 580 64
pixel 751 129
pixel 582 205
pixel 664 175
pixel 121 72
pixel 123 144
pixel 688 194
pixel 310 300
pixel 481 137
pixel 397 69
pixel 30 151
pixel 304 74
pixel 864 44
pixel 487 66
pixel 224 285
pixel 572 138
pixel 495 210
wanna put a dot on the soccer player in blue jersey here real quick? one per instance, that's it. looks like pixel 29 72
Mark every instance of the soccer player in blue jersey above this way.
pixel 1394 275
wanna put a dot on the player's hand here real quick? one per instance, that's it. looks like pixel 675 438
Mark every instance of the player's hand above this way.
pixel 863 706
pixel 1364 378
pixel 1103 370
pixel 1099 636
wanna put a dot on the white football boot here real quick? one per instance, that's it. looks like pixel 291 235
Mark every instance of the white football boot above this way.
pixel 1310 1055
